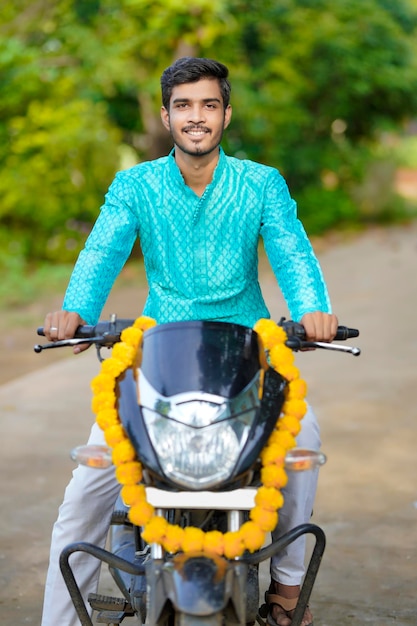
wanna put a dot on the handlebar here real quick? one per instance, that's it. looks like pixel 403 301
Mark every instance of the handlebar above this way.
pixel 105 334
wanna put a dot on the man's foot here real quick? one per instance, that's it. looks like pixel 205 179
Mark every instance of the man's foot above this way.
pixel 282 600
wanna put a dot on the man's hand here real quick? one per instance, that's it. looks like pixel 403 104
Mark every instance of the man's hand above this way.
pixel 62 325
pixel 320 326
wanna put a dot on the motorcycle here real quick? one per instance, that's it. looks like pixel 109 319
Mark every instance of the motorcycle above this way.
pixel 197 406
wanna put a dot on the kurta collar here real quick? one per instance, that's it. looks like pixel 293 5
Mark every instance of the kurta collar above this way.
pixel 175 171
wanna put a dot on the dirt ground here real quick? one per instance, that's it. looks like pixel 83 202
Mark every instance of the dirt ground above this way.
pixel 367 500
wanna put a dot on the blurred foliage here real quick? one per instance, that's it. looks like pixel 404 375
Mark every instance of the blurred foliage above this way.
pixel 317 86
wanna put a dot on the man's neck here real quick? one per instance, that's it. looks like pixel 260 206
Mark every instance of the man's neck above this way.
pixel 197 171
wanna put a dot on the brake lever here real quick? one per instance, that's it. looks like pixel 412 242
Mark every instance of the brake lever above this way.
pixel 66 342
pixel 295 343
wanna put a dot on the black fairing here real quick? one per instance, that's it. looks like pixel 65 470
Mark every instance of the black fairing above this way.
pixel 212 357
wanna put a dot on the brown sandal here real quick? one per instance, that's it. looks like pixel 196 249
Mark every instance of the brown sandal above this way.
pixel 286 604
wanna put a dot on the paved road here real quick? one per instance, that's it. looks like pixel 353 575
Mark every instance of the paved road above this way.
pixel 367 501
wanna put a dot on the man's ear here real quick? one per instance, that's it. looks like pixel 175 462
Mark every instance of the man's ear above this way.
pixel 165 117
pixel 227 116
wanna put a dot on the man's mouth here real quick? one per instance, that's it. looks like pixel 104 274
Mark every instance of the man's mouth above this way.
pixel 196 132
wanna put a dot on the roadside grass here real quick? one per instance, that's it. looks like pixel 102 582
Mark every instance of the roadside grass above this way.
pixel 25 291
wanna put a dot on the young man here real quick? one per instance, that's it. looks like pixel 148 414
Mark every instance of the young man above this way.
pixel 199 215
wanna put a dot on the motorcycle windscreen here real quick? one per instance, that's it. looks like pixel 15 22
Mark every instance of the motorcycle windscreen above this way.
pixel 212 357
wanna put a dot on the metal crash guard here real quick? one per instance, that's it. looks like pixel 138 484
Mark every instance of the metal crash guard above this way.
pixel 169 577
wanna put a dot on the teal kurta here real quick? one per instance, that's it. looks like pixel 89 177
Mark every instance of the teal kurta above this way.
pixel 200 253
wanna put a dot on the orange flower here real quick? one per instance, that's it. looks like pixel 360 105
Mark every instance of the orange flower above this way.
pixel 280 356
pixel 103 400
pixel 193 540
pixel 144 322
pixel 174 536
pixel 269 498
pixel 273 454
pixel 106 418
pixel 288 441
pixel 213 542
pixel 102 382
pixel 266 520
pixel 276 439
pixel 252 536
pixel 297 408
pixel 233 545
pixel 133 494
pixel 140 514
pixel 112 366
pixel 129 473
pixel 155 529
pixel 132 336
pixel 124 353
pixel 297 389
pixel 123 452
pixel 289 423
pixel 114 435
pixel 273 476
pixel 290 372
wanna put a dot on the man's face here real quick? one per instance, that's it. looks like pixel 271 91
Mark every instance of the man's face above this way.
pixel 196 117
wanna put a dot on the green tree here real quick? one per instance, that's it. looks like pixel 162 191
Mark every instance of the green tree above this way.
pixel 316 83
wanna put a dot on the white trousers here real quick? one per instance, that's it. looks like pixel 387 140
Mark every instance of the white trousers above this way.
pixel 85 516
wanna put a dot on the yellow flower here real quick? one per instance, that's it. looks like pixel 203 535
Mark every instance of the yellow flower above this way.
pixel 266 520
pixel 252 536
pixel 102 382
pixel 270 333
pixel 273 454
pixel 142 513
pixel 288 441
pixel 123 452
pixel 269 498
pixel 124 353
pixel 133 494
pixel 144 322
pixel 297 389
pixel 114 435
pixel 290 372
pixel 213 542
pixel 112 366
pixel 106 418
pixel 233 545
pixel 297 408
pixel 289 423
pixel 276 438
pixel 173 539
pixel 193 540
pixel 129 473
pixel 132 336
pixel 280 356
pixel 103 400
pixel 273 476
pixel 155 529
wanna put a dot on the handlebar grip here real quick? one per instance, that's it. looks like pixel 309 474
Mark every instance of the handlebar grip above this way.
pixel 294 329
pixel 82 332
pixel 343 333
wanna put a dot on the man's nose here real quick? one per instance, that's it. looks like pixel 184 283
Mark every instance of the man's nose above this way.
pixel 196 114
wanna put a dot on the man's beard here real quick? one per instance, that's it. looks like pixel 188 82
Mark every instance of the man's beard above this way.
pixel 197 150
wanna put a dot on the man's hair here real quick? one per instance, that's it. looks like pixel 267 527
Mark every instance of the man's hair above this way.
pixel 191 70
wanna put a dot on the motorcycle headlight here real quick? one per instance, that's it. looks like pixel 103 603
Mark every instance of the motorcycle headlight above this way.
pixel 198 437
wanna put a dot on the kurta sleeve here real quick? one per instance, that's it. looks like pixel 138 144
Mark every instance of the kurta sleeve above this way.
pixel 290 253
pixel 106 250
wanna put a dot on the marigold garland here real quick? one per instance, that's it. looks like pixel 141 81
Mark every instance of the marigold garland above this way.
pixel 264 515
